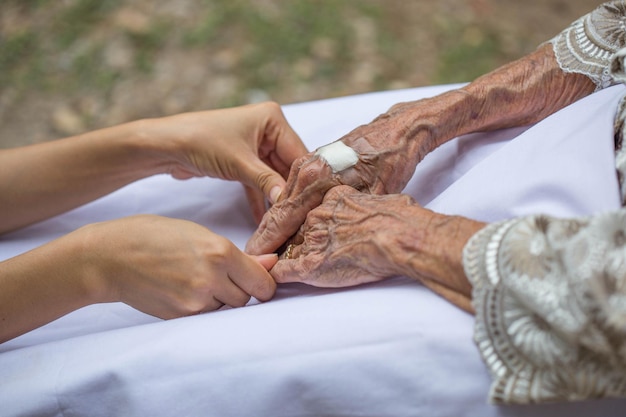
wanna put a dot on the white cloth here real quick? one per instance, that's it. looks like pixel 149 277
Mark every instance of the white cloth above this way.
pixel 387 349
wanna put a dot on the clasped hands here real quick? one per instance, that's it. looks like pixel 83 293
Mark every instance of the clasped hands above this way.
pixel 351 227
pixel 346 227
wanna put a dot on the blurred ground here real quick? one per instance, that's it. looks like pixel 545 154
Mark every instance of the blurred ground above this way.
pixel 67 66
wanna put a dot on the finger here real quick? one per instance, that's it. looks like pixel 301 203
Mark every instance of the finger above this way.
pixel 288 270
pixel 256 200
pixel 212 305
pixel 287 152
pixel 284 220
pixel 250 275
pixel 257 174
pixel 230 294
pixel 280 223
pixel 280 166
pixel 297 240
pixel 267 261
pixel 308 182
pixel 289 146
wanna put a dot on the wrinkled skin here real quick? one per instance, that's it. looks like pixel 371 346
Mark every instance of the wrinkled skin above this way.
pixel 342 243
pixel 383 167
pixel 354 238
pixel 390 147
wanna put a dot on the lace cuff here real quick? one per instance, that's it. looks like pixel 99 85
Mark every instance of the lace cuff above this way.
pixel 588 45
pixel 550 301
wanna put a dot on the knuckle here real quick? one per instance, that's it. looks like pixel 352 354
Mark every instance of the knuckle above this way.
pixel 301 162
pixel 240 301
pixel 220 251
pixel 192 306
pixel 197 285
pixel 263 179
pixel 265 290
pixel 397 107
pixel 309 172
pixel 270 109
pixel 272 106
pixel 407 199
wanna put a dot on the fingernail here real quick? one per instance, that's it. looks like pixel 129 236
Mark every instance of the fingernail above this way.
pixel 275 193
pixel 267 260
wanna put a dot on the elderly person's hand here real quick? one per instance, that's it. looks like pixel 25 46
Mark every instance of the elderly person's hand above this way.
pixel 389 148
pixel 354 238
pixel 377 158
pixel 164 267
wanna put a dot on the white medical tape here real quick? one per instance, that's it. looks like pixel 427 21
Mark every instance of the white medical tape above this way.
pixel 338 156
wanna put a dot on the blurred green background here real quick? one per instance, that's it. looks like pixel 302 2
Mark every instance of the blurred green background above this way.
pixel 67 66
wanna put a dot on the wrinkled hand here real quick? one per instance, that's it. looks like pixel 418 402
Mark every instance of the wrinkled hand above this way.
pixel 171 268
pixel 388 153
pixel 350 239
pixel 354 238
pixel 252 144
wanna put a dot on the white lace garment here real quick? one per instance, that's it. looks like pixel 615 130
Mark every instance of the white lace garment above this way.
pixel 550 294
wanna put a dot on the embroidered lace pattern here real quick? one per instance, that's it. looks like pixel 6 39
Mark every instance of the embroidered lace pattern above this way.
pixel 550 294
pixel 587 45
pixel 550 299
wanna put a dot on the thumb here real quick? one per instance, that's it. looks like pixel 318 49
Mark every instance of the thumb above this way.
pixel 267 260
pixel 264 178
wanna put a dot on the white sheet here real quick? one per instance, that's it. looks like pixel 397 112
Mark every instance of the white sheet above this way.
pixel 388 349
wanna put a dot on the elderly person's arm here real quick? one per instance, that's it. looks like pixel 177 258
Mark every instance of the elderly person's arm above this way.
pixel 389 148
pixel 549 294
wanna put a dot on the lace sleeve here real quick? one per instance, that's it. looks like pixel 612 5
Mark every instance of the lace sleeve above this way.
pixel 587 45
pixel 550 300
